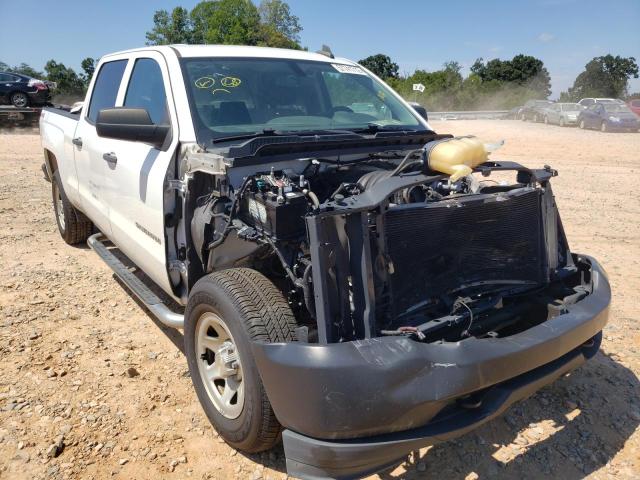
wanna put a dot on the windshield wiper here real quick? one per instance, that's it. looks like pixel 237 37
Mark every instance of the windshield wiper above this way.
pixel 268 132
pixel 375 128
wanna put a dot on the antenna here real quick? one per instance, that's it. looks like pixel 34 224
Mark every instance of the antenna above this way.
pixel 326 51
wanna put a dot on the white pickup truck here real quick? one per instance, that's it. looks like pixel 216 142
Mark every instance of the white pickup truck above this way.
pixel 353 284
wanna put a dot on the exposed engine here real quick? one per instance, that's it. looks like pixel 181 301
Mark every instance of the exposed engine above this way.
pixel 393 247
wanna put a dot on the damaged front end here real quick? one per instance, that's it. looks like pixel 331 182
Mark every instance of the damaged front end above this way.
pixel 429 295
pixel 437 305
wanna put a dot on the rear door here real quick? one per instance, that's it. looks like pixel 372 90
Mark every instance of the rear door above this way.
pixel 90 165
pixel 135 182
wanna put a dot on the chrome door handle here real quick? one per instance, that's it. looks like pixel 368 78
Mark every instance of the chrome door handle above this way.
pixel 110 157
pixel 77 141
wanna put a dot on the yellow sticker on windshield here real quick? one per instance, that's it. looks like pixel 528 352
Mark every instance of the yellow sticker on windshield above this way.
pixel 230 82
pixel 381 95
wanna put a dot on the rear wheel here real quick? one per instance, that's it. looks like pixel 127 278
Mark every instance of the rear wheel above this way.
pixel 561 122
pixel 546 120
pixel 19 99
pixel 604 127
pixel 581 124
pixel 226 311
pixel 73 225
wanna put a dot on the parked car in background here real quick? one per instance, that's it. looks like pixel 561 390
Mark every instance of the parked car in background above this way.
pixel 634 106
pixel 609 117
pixel 533 110
pixel 586 102
pixel 22 91
pixel 514 113
pixel 562 114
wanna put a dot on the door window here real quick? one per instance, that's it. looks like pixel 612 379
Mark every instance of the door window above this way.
pixel 146 90
pixel 106 87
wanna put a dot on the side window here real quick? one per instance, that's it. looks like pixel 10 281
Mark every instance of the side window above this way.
pixel 4 77
pixel 106 87
pixel 146 90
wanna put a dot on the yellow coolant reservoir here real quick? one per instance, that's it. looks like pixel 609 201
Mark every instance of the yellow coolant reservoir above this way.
pixel 456 156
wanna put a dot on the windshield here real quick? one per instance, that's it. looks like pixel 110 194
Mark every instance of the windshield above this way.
pixel 571 107
pixel 616 108
pixel 239 96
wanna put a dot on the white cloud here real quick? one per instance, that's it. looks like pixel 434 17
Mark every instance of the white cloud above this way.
pixel 546 37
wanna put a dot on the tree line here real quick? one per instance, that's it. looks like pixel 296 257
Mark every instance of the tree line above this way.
pixel 491 84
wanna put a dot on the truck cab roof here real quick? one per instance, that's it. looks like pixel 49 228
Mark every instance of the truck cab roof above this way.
pixel 194 51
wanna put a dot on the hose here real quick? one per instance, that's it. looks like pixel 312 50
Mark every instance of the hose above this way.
pixel 313 197
pixel 403 164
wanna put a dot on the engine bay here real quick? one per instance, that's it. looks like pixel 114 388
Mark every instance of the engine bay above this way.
pixel 384 245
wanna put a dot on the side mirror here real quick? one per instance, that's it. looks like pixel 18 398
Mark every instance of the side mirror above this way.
pixel 420 110
pixel 133 124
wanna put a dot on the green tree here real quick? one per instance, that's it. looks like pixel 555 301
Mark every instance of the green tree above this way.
pixel 231 22
pixel 523 70
pixel 88 67
pixel 168 29
pixel 27 70
pixel 68 81
pixel 277 15
pixel 23 69
pixel 381 65
pixel 606 76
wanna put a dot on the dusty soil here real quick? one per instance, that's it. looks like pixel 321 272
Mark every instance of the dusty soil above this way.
pixel 91 387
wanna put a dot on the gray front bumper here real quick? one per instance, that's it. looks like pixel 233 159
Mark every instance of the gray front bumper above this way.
pixel 352 408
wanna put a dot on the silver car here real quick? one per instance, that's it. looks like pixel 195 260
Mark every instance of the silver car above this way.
pixel 562 114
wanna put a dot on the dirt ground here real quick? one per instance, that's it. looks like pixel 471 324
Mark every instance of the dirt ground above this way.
pixel 91 387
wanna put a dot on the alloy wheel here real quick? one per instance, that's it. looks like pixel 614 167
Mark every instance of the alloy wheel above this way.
pixel 19 100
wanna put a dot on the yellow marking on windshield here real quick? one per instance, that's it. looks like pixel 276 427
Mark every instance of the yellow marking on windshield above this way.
pixel 230 82
pixel 215 90
pixel 205 82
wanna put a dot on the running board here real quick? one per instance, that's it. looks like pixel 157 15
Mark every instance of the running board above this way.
pixel 133 283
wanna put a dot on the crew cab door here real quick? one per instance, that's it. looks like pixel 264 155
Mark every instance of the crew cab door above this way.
pixel 88 147
pixel 135 172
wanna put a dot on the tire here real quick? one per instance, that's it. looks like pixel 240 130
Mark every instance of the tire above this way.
pixel 243 305
pixel 19 99
pixel 73 225
pixel 546 120
pixel 561 123
pixel 603 127
pixel 581 124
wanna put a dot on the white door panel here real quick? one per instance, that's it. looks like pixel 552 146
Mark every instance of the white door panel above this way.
pixel 135 183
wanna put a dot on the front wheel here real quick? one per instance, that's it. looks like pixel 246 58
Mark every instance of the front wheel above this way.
pixel 581 125
pixel 561 122
pixel 226 311
pixel 546 120
pixel 604 127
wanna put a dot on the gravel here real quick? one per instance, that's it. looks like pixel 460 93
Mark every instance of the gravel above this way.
pixel 91 387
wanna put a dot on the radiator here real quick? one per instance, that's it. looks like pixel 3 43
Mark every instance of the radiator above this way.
pixel 438 247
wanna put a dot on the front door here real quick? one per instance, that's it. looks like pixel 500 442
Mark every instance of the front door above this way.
pixel 135 176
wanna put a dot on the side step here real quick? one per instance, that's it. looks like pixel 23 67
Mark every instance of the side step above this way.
pixel 133 283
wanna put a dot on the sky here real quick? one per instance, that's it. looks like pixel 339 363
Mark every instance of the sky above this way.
pixel 564 34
